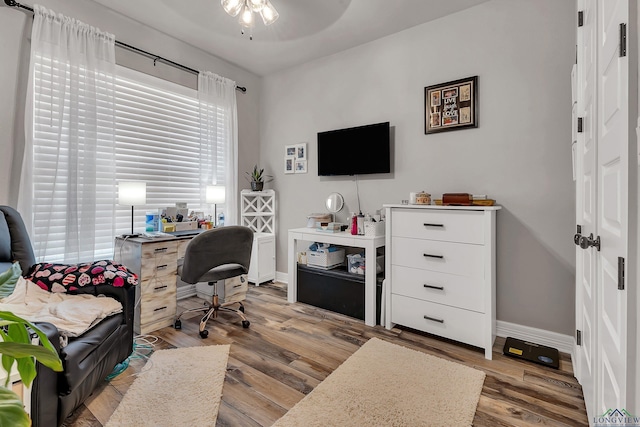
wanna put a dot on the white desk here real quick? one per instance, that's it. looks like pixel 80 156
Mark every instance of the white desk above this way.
pixel 369 243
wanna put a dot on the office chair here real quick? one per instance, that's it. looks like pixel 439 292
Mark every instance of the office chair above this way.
pixel 217 254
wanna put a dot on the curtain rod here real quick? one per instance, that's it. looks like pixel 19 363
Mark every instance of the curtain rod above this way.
pixel 13 3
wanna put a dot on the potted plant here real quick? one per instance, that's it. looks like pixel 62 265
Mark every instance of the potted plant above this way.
pixel 16 346
pixel 258 178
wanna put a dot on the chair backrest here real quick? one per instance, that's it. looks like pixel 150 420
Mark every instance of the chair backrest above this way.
pixel 15 244
pixel 217 247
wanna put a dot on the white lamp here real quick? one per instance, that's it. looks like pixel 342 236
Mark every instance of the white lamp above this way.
pixel 215 194
pixel 132 194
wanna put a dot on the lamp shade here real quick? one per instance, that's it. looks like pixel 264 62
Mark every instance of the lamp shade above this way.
pixel 215 194
pixel 132 193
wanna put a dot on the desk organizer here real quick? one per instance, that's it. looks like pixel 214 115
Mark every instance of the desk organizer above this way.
pixel 374 228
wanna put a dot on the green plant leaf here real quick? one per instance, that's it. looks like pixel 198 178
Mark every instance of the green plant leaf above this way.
pixel 44 341
pixel 45 356
pixel 12 411
pixel 27 370
pixel 7 363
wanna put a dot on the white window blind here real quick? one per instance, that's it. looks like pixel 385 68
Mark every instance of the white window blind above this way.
pixel 157 141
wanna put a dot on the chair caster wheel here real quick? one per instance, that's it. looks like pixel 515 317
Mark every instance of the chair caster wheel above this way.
pixel 204 334
pixel 241 308
pixel 177 324
pixel 245 324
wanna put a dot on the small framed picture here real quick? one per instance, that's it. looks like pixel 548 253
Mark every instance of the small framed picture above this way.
pixel 300 166
pixel 301 151
pixel 289 164
pixel 290 150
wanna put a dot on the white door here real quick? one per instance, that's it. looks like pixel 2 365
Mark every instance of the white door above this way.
pixel 586 187
pixel 612 204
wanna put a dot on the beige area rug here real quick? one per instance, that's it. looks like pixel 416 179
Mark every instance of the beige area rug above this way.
pixel 383 384
pixel 178 387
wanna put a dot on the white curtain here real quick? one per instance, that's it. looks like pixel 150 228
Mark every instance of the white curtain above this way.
pixel 219 138
pixel 70 138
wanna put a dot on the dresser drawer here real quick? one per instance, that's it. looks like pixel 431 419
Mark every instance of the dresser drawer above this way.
pixel 158 306
pixel 182 247
pixel 444 257
pixel 159 259
pixel 151 287
pixel 442 288
pixel 449 322
pixel 445 225
pixel 235 289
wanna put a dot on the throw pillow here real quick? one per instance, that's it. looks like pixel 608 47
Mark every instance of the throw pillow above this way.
pixel 9 278
pixel 65 277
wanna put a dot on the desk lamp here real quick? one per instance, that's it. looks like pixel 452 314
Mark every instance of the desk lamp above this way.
pixel 133 194
pixel 215 195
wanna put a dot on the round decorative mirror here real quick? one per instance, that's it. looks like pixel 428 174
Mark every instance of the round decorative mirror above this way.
pixel 335 202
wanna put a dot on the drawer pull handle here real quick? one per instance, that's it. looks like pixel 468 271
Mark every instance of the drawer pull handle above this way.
pixel 164 287
pixel 440 288
pixel 434 319
pixel 161 267
pixel 434 256
pixel 165 307
pixel 426 224
pixel 158 250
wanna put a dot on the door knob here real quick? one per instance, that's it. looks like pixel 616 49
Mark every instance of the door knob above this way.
pixel 576 239
pixel 586 242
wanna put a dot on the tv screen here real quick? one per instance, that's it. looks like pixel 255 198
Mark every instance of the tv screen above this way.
pixel 354 151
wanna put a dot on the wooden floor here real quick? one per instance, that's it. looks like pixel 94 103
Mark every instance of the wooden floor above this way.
pixel 290 348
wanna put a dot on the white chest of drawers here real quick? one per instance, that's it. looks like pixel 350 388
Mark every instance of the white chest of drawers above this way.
pixel 440 268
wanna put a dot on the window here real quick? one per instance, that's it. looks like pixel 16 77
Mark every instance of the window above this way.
pixel 157 140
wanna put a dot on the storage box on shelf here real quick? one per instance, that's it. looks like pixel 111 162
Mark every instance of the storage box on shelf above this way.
pixel 323 258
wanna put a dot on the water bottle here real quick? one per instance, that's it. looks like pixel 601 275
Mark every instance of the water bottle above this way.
pixel 354 224
pixel 221 219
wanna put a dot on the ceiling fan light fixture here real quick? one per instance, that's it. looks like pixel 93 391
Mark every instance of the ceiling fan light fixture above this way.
pixel 257 5
pixel 246 16
pixel 232 7
pixel 269 13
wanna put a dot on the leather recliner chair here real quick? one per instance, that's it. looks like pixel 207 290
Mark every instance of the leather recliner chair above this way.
pixel 87 359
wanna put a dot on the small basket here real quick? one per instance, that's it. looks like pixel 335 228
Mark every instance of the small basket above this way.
pixel 374 228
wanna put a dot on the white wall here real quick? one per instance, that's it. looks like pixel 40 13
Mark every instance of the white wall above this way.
pixel 15 31
pixel 522 51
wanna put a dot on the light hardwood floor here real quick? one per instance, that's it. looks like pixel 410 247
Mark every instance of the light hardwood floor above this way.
pixel 290 348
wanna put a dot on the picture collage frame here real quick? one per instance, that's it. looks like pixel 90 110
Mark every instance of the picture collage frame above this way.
pixel 451 105
pixel 295 158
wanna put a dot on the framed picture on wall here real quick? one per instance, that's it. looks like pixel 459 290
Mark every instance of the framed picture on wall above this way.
pixel 290 150
pixel 301 151
pixel 451 105
pixel 301 166
pixel 289 164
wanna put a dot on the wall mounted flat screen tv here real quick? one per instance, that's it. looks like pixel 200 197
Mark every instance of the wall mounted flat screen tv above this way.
pixel 355 151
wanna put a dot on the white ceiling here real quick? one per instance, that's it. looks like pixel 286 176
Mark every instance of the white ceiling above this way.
pixel 306 29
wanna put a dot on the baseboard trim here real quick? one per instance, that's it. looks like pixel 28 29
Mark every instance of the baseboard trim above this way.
pixel 563 343
pixel 282 277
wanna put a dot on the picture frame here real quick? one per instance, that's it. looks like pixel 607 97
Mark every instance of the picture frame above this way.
pixel 289 164
pixel 290 151
pixel 451 106
pixel 301 151
pixel 300 166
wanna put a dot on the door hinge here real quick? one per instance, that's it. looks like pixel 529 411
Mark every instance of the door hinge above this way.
pixel 620 273
pixel 578 336
pixel 623 40
pixel 580 18
pixel 579 124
